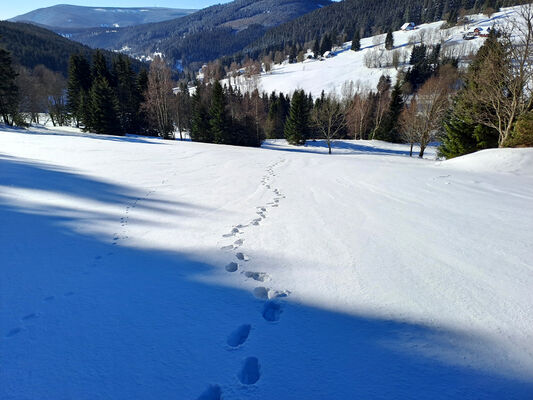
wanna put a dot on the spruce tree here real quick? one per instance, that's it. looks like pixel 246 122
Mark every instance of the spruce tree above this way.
pixel 356 41
pixel 389 40
pixel 218 121
pixel 127 94
pixel 326 44
pixel 104 106
pixel 388 130
pixel 200 129
pixel 9 96
pixel 99 67
pixel 78 85
pixel 297 123
pixel 316 48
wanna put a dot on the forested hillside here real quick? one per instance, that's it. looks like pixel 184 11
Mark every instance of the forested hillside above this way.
pixel 31 45
pixel 367 17
pixel 205 35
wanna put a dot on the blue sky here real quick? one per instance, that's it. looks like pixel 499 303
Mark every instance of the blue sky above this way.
pixel 11 9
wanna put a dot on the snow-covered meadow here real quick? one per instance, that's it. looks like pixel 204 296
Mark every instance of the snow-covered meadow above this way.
pixel 331 74
pixel 139 268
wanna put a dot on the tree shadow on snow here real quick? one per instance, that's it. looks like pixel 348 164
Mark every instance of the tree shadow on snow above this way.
pixel 321 147
pixel 84 318
pixel 57 131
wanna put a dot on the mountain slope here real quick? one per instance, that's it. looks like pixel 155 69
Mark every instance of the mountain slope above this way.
pixel 207 34
pixel 369 17
pixel 389 277
pixel 69 16
pixel 32 45
pixel 330 75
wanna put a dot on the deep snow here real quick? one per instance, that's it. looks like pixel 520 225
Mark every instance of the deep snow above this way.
pixel 346 66
pixel 364 274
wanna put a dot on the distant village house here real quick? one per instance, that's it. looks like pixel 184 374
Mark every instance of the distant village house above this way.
pixel 408 26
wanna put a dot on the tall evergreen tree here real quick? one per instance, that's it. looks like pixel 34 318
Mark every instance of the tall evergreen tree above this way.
pixel 9 97
pixel 326 44
pixel 78 85
pixel 389 40
pixel 218 121
pixel 99 67
pixel 200 129
pixel 297 123
pixel 388 131
pixel 104 106
pixel 356 41
pixel 316 48
pixel 127 93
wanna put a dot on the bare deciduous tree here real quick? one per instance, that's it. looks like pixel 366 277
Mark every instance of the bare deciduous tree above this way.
pixel 504 82
pixel 422 120
pixel 358 114
pixel 329 118
pixel 158 98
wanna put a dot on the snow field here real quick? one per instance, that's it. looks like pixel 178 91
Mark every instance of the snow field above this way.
pixel 140 268
pixel 346 66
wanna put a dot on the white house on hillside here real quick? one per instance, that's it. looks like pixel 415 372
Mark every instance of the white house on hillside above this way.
pixel 408 26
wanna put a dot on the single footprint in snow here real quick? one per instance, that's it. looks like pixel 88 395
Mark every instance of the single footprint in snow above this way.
pixel 49 298
pixel 238 242
pixel 242 256
pixel 239 335
pixel 13 332
pixel 272 311
pixel 250 372
pixel 228 247
pixel 274 294
pixel 256 276
pixel 213 392
pixel 275 205
pixel 30 316
pixel 232 267
pixel 261 292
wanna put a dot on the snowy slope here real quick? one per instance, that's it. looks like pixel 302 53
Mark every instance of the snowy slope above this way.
pixel 330 74
pixel 388 276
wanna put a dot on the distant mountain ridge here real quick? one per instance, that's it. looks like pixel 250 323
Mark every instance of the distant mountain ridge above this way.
pixel 65 16
pixel 202 36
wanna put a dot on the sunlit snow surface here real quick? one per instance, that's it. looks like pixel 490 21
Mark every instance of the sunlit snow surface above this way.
pixel 329 75
pixel 137 268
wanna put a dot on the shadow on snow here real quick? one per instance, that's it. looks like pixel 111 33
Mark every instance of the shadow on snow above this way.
pixel 82 318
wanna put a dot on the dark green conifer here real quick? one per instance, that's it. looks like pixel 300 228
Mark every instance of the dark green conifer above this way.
pixel 104 107
pixel 297 123
pixel 356 41
pixel 389 40
pixel 9 96
pixel 218 121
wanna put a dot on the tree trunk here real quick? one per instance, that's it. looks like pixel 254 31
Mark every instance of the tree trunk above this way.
pixel 421 154
pixel 411 151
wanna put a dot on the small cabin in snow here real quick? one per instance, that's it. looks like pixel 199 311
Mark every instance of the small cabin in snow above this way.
pixel 408 26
